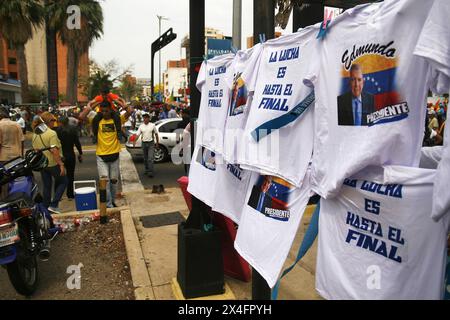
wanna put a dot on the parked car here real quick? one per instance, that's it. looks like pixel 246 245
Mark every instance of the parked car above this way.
pixel 167 140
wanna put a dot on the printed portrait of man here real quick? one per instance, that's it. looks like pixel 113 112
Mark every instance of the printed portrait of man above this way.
pixel 354 106
pixel 260 198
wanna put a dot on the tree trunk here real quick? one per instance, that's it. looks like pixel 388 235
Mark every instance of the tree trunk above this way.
pixel 73 60
pixel 23 72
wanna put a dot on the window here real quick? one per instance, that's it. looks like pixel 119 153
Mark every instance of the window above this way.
pixel 12 61
pixel 13 75
pixel 169 127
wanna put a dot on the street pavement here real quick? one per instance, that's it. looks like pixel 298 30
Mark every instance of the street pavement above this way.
pixel 159 245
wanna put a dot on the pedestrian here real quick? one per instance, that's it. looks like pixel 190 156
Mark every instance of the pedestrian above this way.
pixel 185 115
pixel 108 149
pixel 11 143
pixel 68 136
pixel 21 121
pixel 149 135
pixel 172 112
pixel 45 137
pixel 164 112
pixel 105 97
pixel 11 137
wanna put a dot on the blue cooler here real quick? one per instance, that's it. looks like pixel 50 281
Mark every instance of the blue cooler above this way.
pixel 86 197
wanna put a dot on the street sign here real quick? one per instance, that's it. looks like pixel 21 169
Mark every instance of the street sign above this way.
pixel 217 47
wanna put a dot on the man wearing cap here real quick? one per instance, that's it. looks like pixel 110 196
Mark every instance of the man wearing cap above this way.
pixel 149 135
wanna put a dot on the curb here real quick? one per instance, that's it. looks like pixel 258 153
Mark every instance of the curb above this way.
pixel 78 214
pixel 138 267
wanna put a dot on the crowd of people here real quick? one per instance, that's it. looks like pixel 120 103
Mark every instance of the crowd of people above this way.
pixel 435 123
pixel 107 119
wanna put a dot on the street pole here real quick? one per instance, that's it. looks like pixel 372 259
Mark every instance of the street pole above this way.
pixel 263 19
pixel 263 23
pixel 309 15
pixel 237 23
pixel 160 18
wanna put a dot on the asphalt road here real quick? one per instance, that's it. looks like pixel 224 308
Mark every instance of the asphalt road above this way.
pixel 165 173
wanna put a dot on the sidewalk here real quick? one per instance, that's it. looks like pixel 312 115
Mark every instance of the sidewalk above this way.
pixel 159 245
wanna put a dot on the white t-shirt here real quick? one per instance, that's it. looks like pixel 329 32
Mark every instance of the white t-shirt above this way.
pixel 203 175
pixel 269 223
pixel 244 66
pixel 434 46
pixel 379 38
pixel 377 240
pixel 231 190
pixel 214 102
pixel 430 158
pixel 278 89
pixel 147 131
pixel 21 122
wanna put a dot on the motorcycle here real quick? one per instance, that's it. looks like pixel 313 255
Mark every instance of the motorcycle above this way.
pixel 26 225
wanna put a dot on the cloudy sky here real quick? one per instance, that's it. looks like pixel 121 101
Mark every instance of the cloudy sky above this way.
pixel 131 26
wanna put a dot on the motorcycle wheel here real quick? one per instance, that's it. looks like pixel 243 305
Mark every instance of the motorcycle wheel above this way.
pixel 23 272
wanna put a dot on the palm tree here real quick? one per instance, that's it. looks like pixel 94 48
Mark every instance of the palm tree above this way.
pixel 77 41
pixel 17 20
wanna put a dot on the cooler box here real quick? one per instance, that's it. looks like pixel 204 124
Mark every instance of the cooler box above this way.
pixel 85 197
pixel 234 265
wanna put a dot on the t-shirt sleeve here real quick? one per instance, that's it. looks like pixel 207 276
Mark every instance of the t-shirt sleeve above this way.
pixel 54 140
pixel 201 79
pixel 250 73
pixel 113 96
pixel 434 45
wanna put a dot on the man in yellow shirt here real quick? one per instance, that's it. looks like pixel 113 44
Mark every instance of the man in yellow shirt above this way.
pixel 108 149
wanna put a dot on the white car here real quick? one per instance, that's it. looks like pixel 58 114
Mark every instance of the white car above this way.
pixel 167 140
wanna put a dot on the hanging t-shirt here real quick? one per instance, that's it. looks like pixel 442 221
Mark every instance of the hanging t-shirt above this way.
pixel 286 150
pixel 269 223
pixel 370 92
pixel 244 66
pixel 214 102
pixel 203 174
pixel 434 46
pixel 377 240
pixel 231 190
pixel 430 157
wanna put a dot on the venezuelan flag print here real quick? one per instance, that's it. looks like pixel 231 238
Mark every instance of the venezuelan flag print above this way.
pixel 238 97
pixel 270 196
pixel 379 79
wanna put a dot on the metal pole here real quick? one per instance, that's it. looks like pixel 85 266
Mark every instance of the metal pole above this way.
pixel 263 23
pixel 263 19
pixel 309 15
pixel 102 189
pixel 237 23
pixel 159 78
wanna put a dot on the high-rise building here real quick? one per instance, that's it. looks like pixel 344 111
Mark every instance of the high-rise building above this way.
pixel 175 78
pixel 9 74
pixel 36 56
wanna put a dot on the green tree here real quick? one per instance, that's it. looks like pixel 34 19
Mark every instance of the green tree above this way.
pixel 79 40
pixel 18 18
pixel 128 88
pixel 37 94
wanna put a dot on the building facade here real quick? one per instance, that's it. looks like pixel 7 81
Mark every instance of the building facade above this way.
pixel 175 78
pixel 9 74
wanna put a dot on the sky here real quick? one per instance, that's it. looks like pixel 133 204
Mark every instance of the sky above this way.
pixel 131 26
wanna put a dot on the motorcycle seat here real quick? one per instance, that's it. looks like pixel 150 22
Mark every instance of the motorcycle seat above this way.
pixel 16 197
